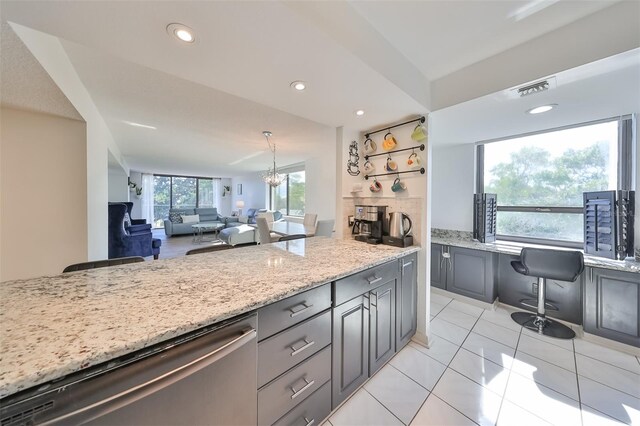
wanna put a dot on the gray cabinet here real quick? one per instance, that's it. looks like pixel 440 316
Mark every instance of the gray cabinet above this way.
pixel 406 300
pixel 350 347
pixel 514 287
pixel 612 305
pixel 438 267
pixel 382 325
pixel 471 273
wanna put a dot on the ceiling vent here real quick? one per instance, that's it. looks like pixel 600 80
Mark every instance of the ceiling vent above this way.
pixel 537 87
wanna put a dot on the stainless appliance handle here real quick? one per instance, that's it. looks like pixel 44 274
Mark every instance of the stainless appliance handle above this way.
pixel 135 393
pixel 308 344
pixel 296 393
pixel 404 216
pixel 298 312
pixel 309 422
pixel 372 280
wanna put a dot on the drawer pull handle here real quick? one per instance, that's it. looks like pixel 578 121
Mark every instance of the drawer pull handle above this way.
pixel 296 393
pixel 309 422
pixel 298 312
pixel 374 279
pixel 308 344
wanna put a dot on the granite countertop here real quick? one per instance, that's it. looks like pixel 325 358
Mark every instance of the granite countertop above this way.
pixel 463 239
pixel 56 325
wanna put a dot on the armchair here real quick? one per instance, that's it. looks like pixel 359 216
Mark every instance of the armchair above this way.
pixel 137 225
pixel 123 243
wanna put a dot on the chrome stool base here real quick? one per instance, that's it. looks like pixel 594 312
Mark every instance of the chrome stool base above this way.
pixel 543 325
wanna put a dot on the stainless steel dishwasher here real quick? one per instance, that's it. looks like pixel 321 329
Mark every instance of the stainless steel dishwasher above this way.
pixel 205 378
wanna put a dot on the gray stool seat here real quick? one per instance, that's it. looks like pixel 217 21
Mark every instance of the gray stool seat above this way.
pixel 562 265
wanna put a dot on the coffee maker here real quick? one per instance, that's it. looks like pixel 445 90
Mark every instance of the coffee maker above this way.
pixel 369 223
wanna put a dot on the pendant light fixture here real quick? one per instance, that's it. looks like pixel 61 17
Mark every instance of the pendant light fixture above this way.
pixel 271 176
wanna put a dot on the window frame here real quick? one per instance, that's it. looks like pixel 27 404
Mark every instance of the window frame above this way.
pixel 286 181
pixel 197 178
pixel 624 175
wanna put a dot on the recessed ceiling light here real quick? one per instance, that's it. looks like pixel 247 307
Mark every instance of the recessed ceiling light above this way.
pixel 360 112
pixel 134 124
pixel 181 32
pixel 541 109
pixel 299 85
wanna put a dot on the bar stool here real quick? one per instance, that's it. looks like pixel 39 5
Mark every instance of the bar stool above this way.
pixel 562 265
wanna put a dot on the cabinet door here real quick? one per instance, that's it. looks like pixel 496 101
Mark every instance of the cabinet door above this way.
pixel 406 300
pixel 612 305
pixel 382 325
pixel 472 273
pixel 438 267
pixel 350 347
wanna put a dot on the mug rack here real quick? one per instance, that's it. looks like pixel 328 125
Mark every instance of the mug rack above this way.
pixel 421 170
pixel 411 148
pixel 421 119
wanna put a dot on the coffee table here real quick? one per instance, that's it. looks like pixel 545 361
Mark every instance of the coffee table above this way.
pixel 200 228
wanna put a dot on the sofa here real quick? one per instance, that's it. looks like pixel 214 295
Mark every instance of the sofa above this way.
pixel 129 241
pixel 239 235
pixel 176 227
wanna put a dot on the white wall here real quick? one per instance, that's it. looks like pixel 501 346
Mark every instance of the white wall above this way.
pixel 254 192
pixel 452 183
pixel 118 185
pixel 52 56
pixel 43 193
pixel 225 208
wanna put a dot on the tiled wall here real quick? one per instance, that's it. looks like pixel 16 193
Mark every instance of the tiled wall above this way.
pixel 412 206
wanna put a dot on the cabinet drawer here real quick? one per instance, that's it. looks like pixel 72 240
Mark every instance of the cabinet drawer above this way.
pixel 354 285
pixel 284 393
pixel 285 313
pixel 311 411
pixel 279 353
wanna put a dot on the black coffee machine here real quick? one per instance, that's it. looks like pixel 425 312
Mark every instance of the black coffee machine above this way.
pixel 369 223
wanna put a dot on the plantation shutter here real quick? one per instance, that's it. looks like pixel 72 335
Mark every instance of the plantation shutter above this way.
pixel 600 223
pixel 485 209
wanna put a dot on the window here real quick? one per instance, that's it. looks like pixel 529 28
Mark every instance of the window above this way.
pixel 181 192
pixel 540 178
pixel 288 198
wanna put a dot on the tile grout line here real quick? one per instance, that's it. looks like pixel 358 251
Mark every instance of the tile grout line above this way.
pixel 575 360
pixel 383 406
pixel 605 362
pixel 506 386
pixel 445 370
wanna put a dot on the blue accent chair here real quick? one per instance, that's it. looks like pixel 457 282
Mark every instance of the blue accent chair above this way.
pixel 129 242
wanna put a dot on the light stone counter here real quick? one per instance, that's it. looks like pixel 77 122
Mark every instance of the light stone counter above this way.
pixel 463 239
pixel 53 326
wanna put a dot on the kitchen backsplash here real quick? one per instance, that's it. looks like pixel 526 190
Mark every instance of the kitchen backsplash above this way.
pixel 408 205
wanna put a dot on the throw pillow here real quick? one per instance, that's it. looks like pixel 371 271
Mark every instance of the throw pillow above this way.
pixel 175 217
pixel 243 219
pixel 190 218
pixel 127 220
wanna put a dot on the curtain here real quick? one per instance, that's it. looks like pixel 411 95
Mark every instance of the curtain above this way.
pixel 147 197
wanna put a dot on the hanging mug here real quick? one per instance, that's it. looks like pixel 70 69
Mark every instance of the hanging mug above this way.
pixel 414 161
pixel 375 186
pixel 390 142
pixel 368 167
pixel 419 133
pixel 370 146
pixel 398 185
pixel 391 165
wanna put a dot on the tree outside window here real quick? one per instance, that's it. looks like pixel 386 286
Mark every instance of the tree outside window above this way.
pixel 536 175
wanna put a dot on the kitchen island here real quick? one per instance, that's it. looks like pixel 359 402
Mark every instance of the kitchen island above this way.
pixel 57 325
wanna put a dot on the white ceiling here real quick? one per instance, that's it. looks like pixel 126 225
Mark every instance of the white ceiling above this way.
pixel 441 37
pixel 211 100
pixel 24 84
pixel 602 89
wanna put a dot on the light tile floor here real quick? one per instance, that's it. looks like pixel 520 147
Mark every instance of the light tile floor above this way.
pixel 483 368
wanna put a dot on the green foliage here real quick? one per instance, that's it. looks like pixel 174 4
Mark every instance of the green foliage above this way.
pixel 533 178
